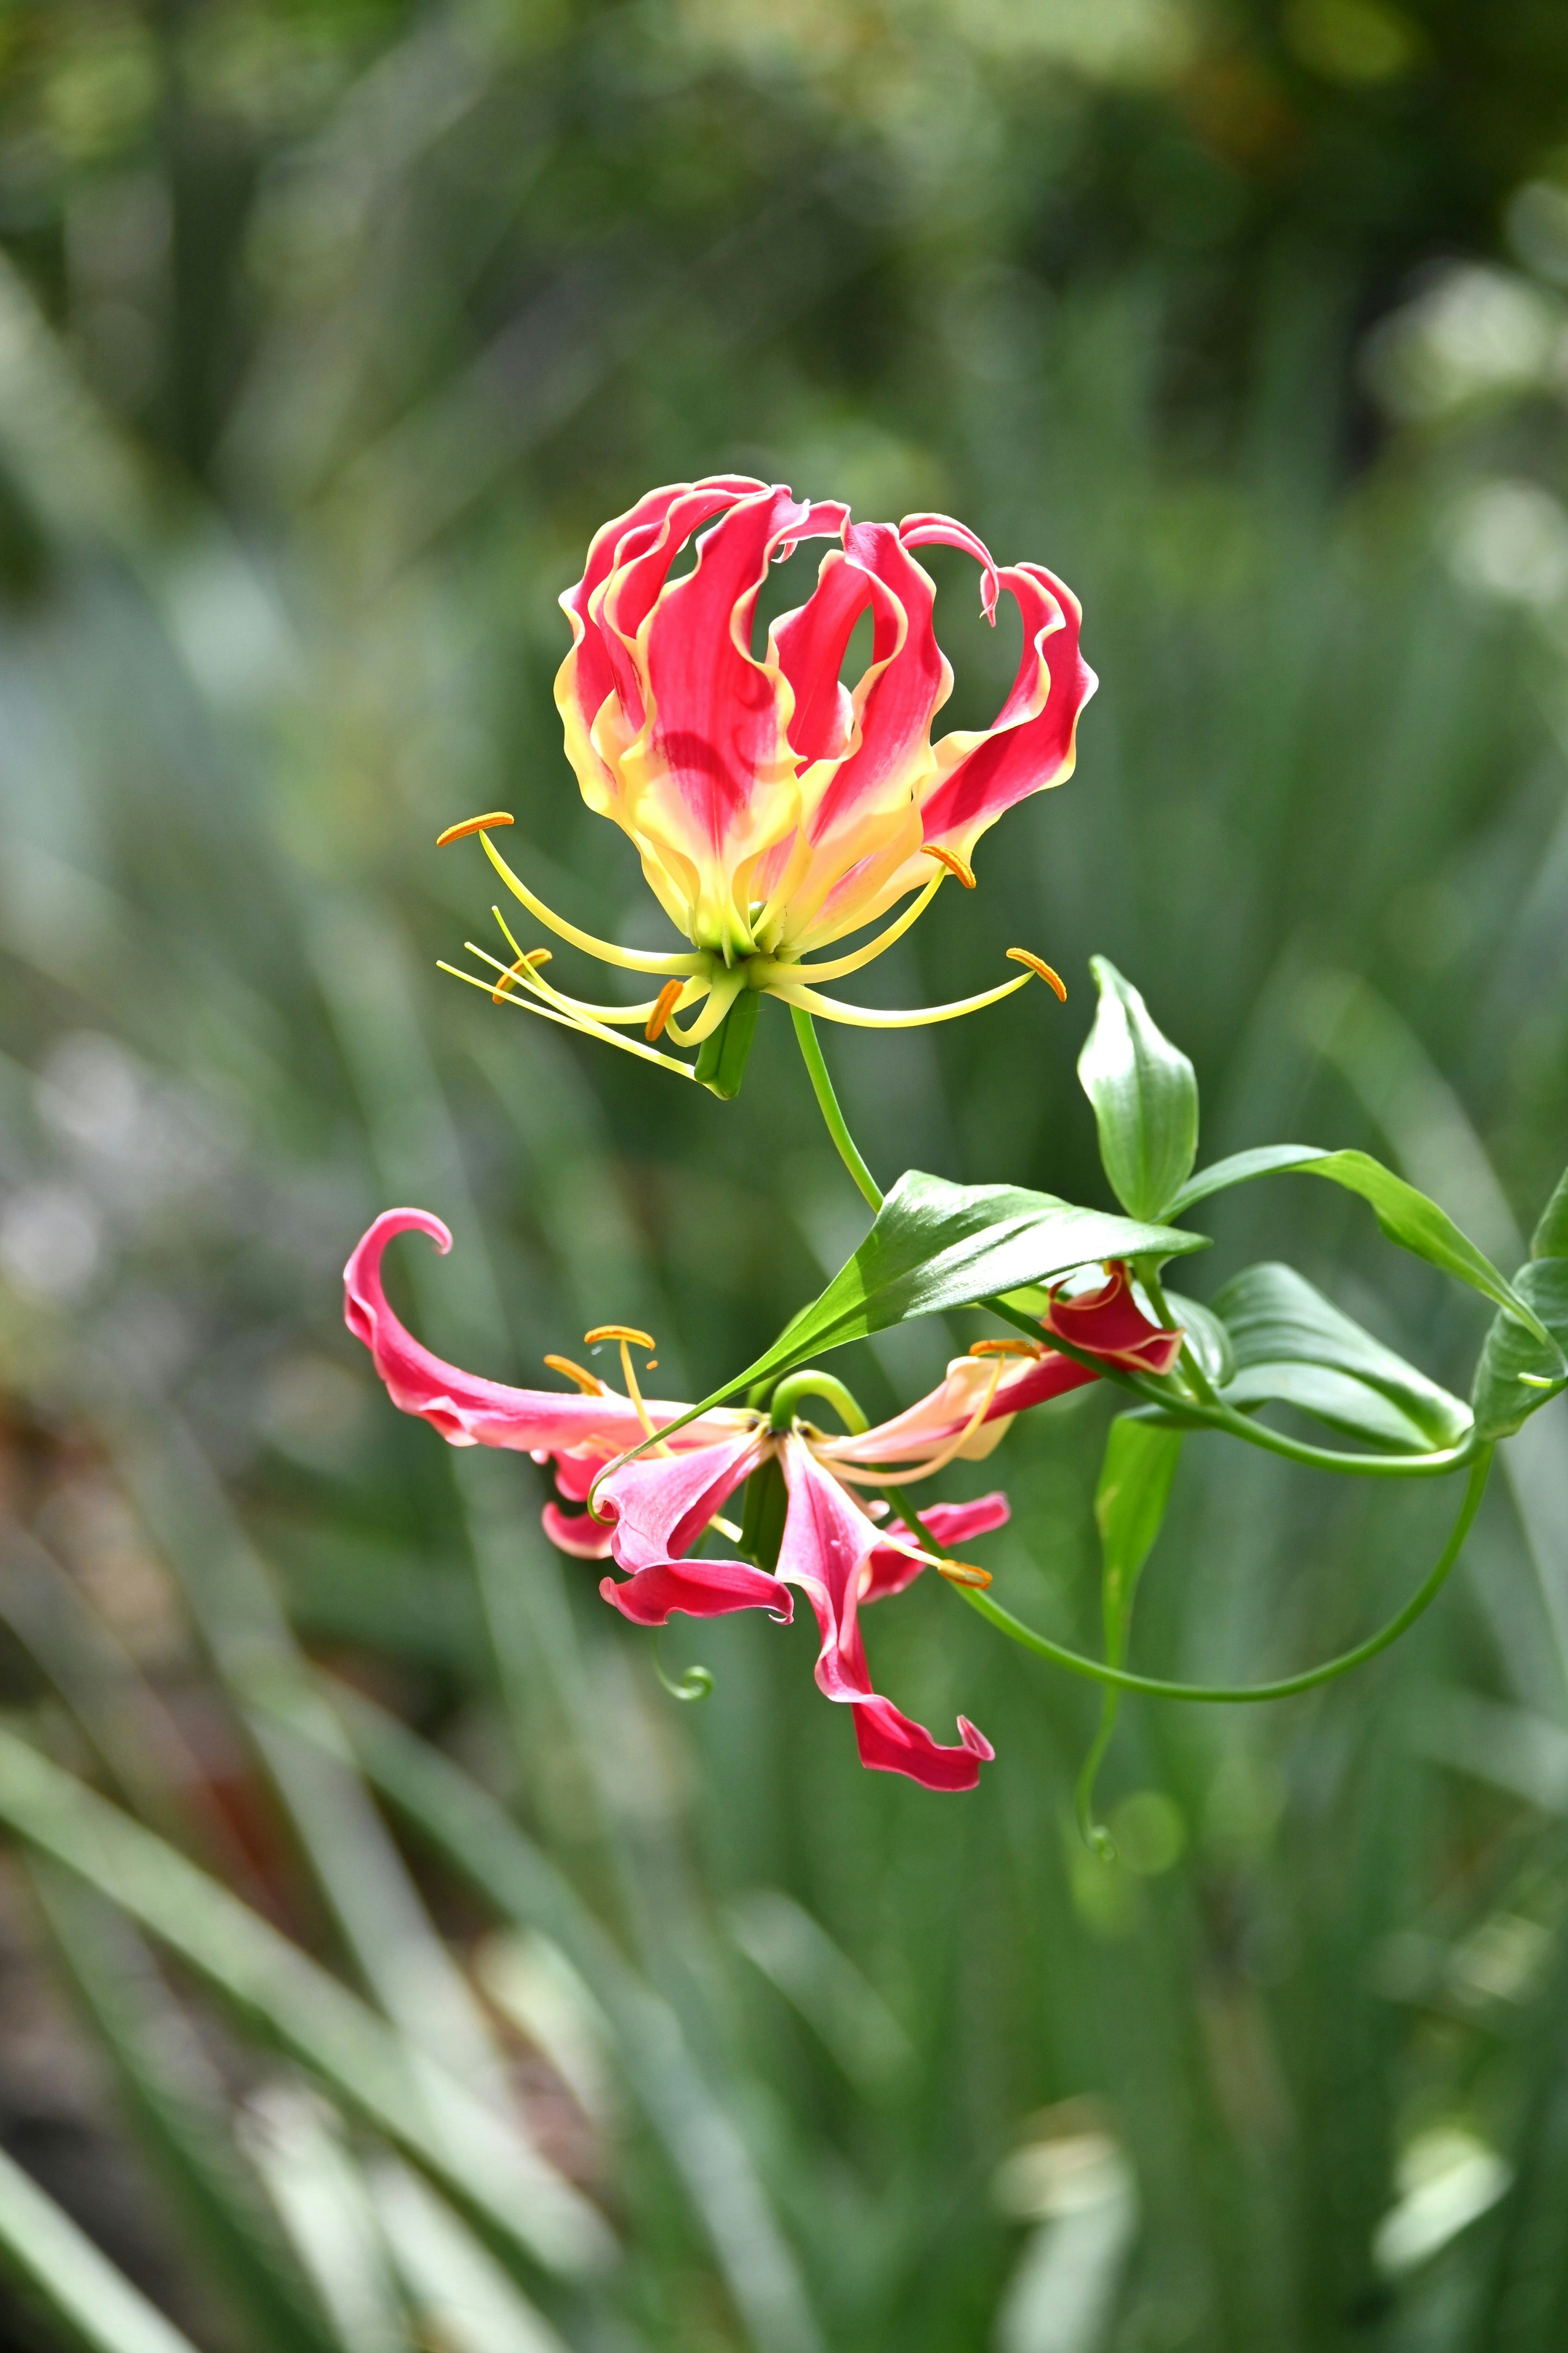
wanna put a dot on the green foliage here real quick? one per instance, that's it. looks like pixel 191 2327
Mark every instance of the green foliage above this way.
pixel 1145 1098
pixel 1293 1346
pixel 1516 1376
pixel 1550 1238
pixel 1135 1476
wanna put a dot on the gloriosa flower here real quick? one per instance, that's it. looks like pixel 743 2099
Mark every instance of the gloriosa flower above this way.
pixel 804 1509
pixel 775 810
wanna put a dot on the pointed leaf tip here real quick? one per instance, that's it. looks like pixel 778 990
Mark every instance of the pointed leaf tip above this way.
pixel 1145 1097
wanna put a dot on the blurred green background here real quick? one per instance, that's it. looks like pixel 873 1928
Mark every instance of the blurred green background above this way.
pixel 329 332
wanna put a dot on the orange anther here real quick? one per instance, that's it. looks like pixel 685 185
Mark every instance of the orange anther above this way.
pixel 1020 1347
pixel 474 825
pixel 959 1572
pixel 589 1382
pixel 617 1331
pixel 669 998
pixel 1048 973
pixel 954 863
pixel 534 958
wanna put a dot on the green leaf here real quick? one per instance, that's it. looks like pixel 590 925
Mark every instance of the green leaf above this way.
pixel 1550 1238
pixel 1145 1097
pixel 1293 1346
pixel 488 2170
pixel 936 1245
pixel 89 2301
pixel 175 2100
pixel 1206 1337
pixel 1516 1375
pixel 1405 1215
pixel 1140 1458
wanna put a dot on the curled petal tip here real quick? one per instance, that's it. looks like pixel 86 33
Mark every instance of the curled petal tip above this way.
pixel 474 825
pixel 1048 973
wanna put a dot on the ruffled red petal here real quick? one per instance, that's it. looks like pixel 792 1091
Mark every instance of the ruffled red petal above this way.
pixel 702 1588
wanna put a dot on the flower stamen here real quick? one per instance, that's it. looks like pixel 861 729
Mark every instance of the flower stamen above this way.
pixel 474 825
pixel 1020 1347
pixel 629 1336
pixel 944 1454
pixel 663 1006
pixel 630 959
pixel 963 1572
pixel 589 1382
pixel 1048 973
pixel 954 863
pixel 525 964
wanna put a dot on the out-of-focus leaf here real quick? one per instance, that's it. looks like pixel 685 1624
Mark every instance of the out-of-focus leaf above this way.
pixel 1130 1500
pixel 1145 1096
pixel 178 2108
pixel 323 2202
pixel 1405 1215
pixel 89 2302
pixel 495 2176
pixel 1294 1347
pixel 1550 1238
pixel 464 2300
pixel 1515 1375
pixel 936 1245
pixel 470 1831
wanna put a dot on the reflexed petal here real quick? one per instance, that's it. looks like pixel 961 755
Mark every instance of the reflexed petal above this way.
pixel 827 1540
pixel 660 1503
pixel 1110 1322
pixel 575 1533
pixel 702 1588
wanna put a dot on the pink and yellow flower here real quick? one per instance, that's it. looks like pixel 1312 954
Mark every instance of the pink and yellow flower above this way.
pixel 775 810
pixel 654 1508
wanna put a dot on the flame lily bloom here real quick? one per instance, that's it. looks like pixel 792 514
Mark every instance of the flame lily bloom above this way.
pixel 775 810
pixel 655 1508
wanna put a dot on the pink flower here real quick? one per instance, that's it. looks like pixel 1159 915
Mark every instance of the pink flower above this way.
pixel 656 1506
pixel 775 810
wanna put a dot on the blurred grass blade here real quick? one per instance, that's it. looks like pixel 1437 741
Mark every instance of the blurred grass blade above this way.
pixel 468 1828
pixel 179 2110
pixel 465 2301
pixel 492 2174
pixel 91 2304
pixel 324 2203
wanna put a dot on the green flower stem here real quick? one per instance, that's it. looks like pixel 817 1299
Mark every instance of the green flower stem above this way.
pixel 827 1104
pixel 1192 1413
pixel 1240 1694
pixel 825 1385
pixel 1197 1376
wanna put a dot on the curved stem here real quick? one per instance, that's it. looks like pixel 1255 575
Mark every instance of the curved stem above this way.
pixel 1233 1694
pixel 825 1385
pixel 827 1104
pixel 1193 1414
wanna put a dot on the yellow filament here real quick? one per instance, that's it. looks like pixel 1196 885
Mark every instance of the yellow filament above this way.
pixel 589 1382
pixel 1048 973
pixel 965 873
pixel 665 1004
pixel 861 1016
pixel 630 959
pixel 565 1021
pixel 474 825
pixel 780 968
pixel 1007 1348
pixel 629 1335
pixel 626 1014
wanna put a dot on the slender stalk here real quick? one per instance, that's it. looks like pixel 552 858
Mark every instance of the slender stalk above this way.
pixel 1240 1694
pixel 827 1104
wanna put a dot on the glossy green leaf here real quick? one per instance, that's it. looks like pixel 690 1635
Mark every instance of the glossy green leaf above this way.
pixel 936 1245
pixel 1293 1346
pixel 1516 1375
pixel 1134 1487
pixel 491 2173
pixel 1206 1337
pixel 88 2301
pixel 1550 1238
pixel 1145 1097
pixel 1407 1216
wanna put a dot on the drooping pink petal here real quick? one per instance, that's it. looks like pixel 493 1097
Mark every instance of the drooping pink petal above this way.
pixel 943 1527
pixel 1110 1322
pixel 1031 744
pixel 826 1540
pixel 660 1504
pixel 577 1533
pixel 702 1588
